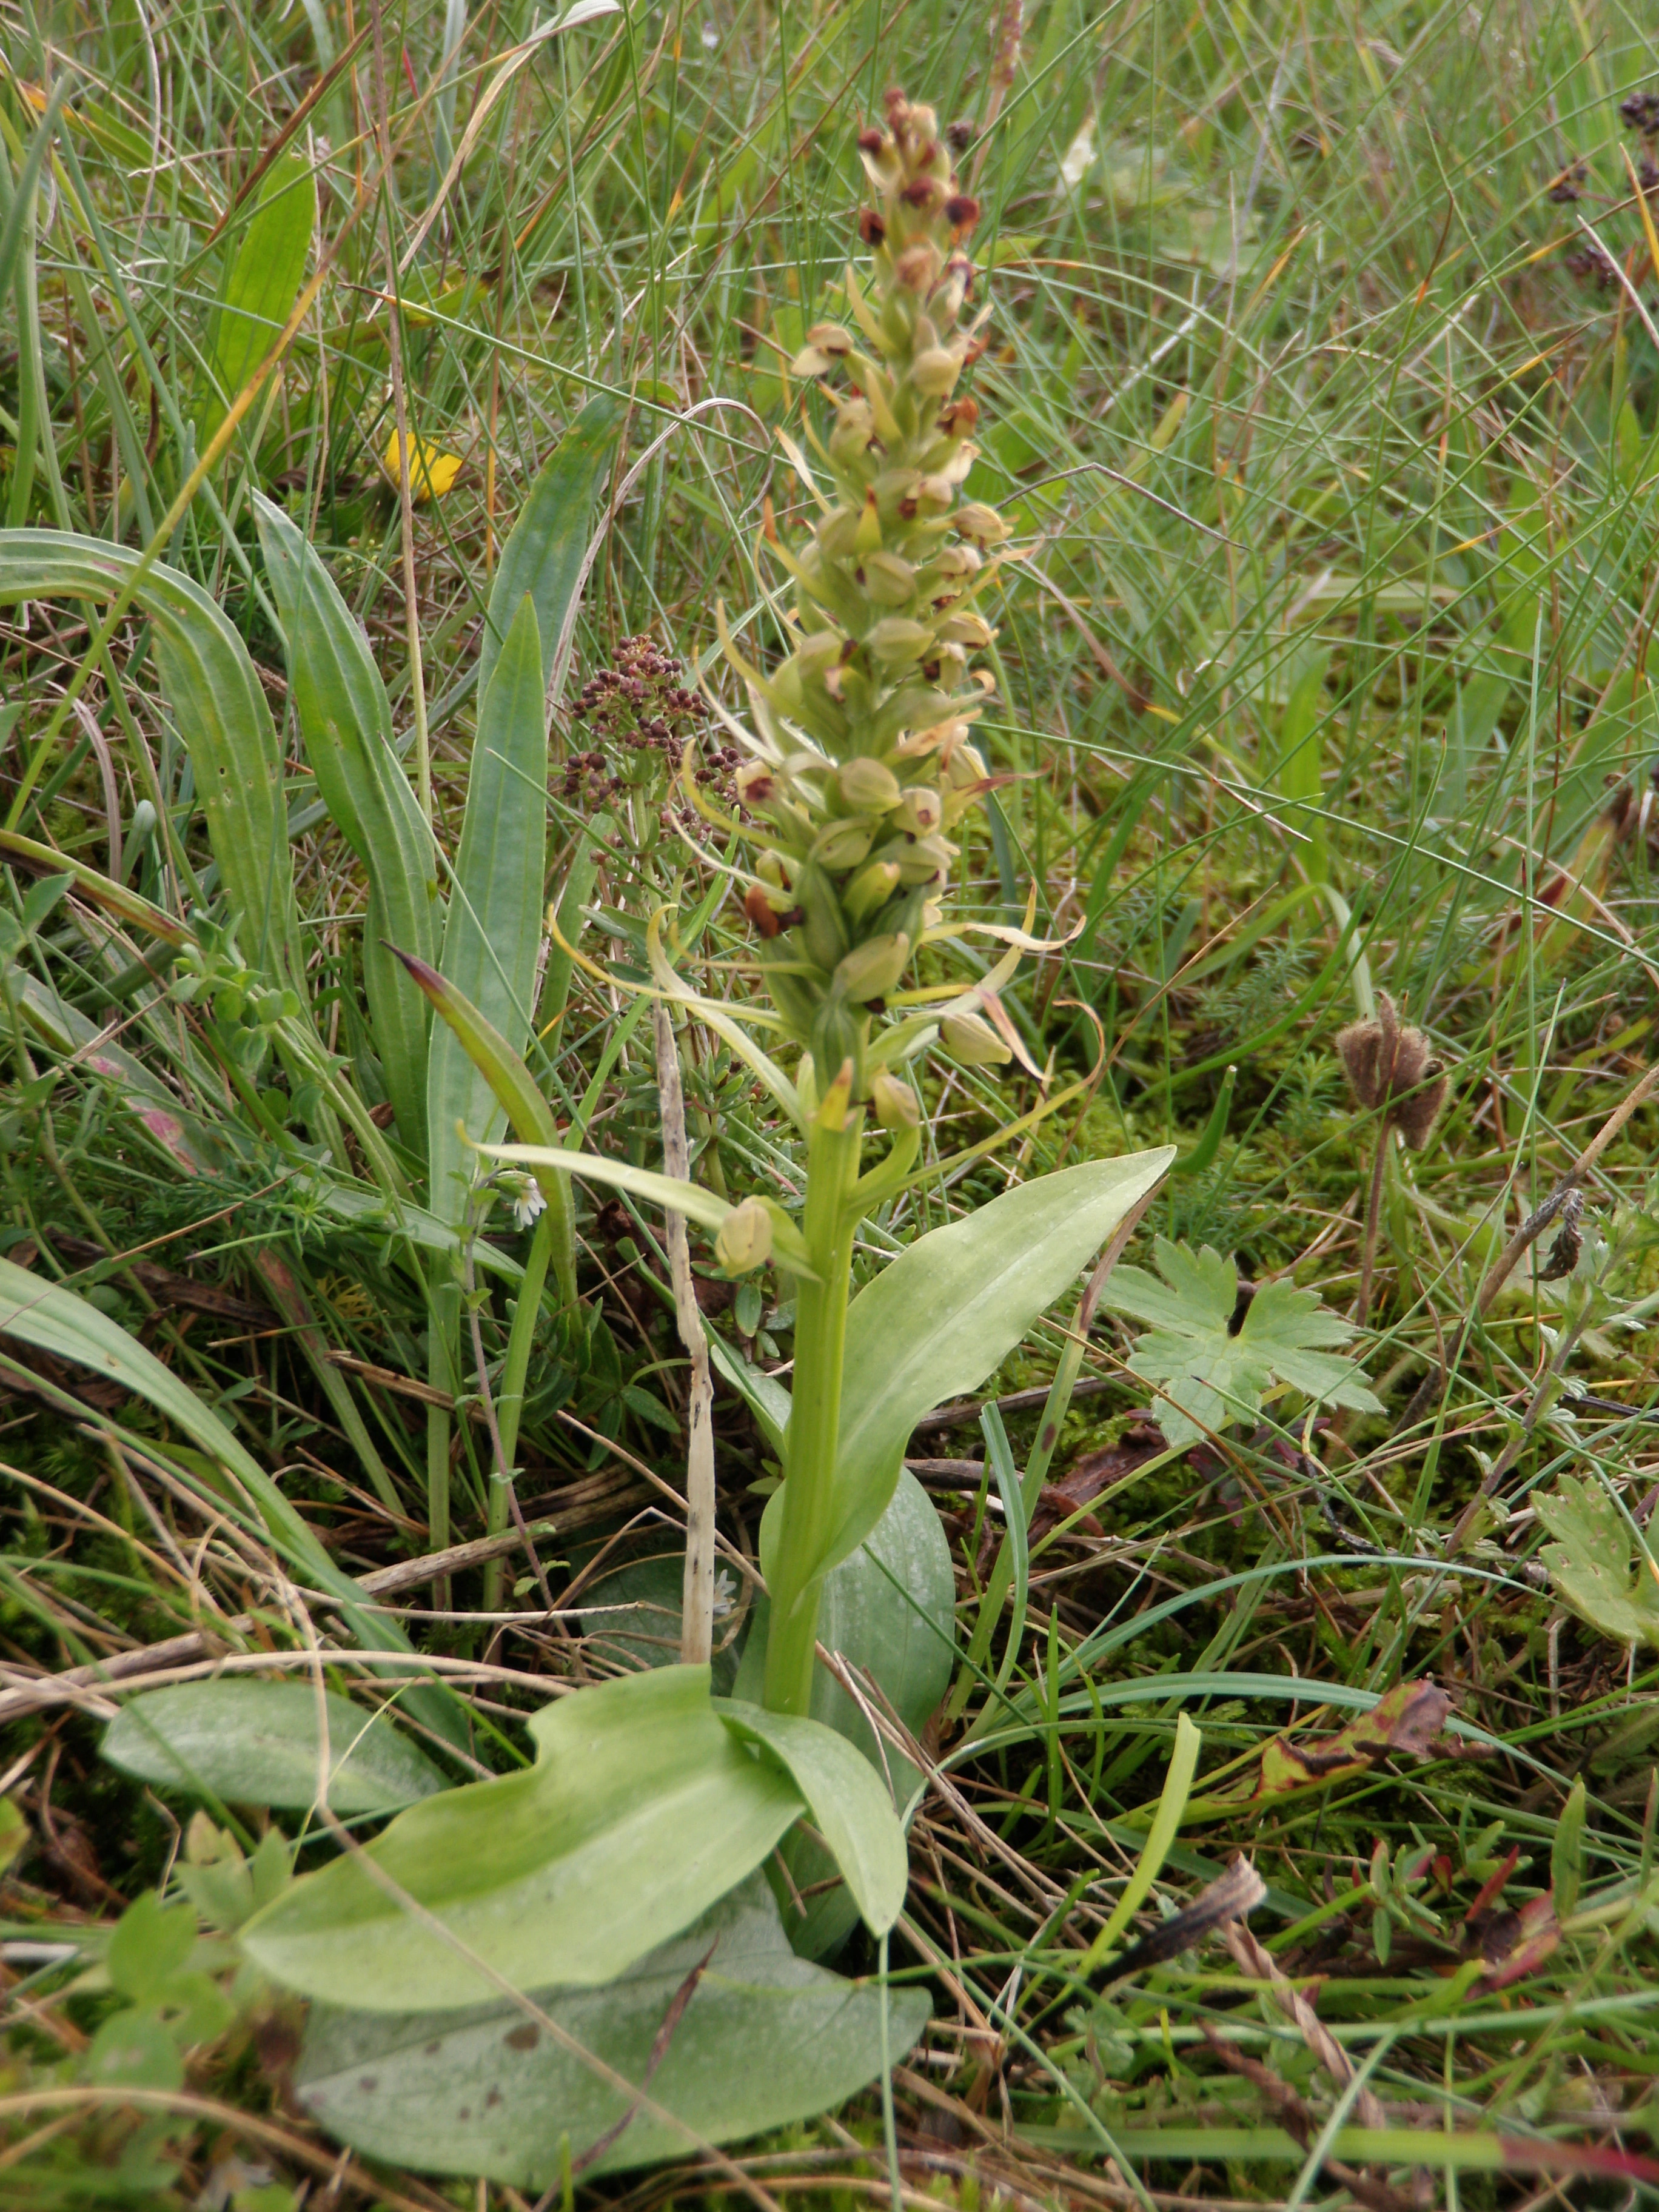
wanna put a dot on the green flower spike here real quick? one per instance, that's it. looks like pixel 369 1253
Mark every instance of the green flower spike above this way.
pixel 863 759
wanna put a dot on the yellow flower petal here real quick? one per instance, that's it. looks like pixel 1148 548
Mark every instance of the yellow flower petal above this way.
pixel 431 470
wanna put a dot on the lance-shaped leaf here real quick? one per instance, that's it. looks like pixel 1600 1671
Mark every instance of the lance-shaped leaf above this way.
pixel 257 1743
pixel 690 1199
pixel 518 1098
pixel 493 930
pixel 124 906
pixel 219 704
pixel 946 1314
pixel 262 279
pixel 548 545
pixel 759 2038
pixel 846 1802
pixel 640 1810
pixel 345 724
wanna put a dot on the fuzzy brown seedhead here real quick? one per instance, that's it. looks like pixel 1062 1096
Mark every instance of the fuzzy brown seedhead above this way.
pixel 1395 1071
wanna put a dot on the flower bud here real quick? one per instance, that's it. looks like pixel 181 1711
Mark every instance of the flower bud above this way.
pixel 874 968
pixel 855 426
pixel 917 267
pixel 983 523
pixel 823 930
pixel 743 1242
pixel 970 630
pixel 923 811
pixel 927 862
pixel 827 343
pixel 934 372
pixel 964 768
pixel 869 889
pixel 837 533
pixel 890 581
pixel 843 845
pixel 896 640
pixel 893 1100
pixel 756 784
pixel 870 786
pixel 971 1040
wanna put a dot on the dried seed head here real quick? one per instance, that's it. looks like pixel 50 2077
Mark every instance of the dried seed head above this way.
pixel 1416 1115
pixel 1394 1071
pixel 1569 1243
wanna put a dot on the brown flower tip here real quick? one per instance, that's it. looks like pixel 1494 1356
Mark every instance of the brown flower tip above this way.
pixel 762 914
pixel 872 229
pixel 1394 1071
pixel 871 142
pixel 962 211
pixel 959 137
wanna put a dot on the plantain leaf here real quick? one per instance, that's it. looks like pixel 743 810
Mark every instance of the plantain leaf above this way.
pixel 345 724
pixel 946 1314
pixel 516 1094
pixel 547 545
pixel 493 930
pixel 261 281
pixel 257 1743
pixel 764 2039
pixel 640 1811
pixel 219 704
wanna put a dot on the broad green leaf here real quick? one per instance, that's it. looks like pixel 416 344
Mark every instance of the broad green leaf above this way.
pixel 765 2039
pixel 345 724
pixel 547 545
pixel 220 707
pixel 493 929
pixel 148 1946
pixel 631 1618
pixel 947 1313
pixel 256 1743
pixel 1597 1564
pixel 640 1810
pixel 1216 1356
pixel 516 1094
pixel 889 1611
pixel 262 279
pixel 845 1802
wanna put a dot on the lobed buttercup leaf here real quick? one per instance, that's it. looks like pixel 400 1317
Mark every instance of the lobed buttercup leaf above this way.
pixel 1215 1354
pixel 1597 1564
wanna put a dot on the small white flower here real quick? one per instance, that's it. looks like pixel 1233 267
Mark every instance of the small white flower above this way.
pixel 725 1593
pixel 711 38
pixel 525 1192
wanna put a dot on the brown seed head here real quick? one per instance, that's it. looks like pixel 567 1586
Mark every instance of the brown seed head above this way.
pixel 1394 1071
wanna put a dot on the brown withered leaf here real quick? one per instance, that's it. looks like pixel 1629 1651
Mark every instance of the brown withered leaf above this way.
pixel 1516 1944
pixel 1094 1472
pixel 1409 1718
